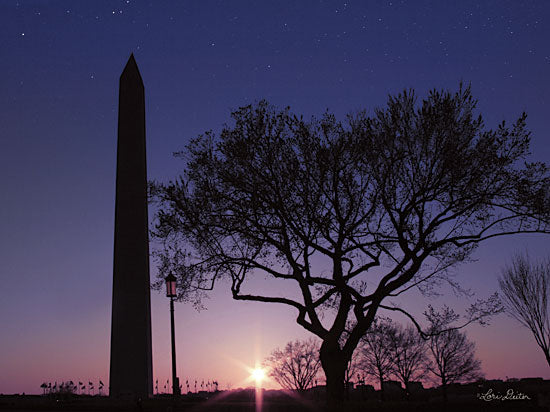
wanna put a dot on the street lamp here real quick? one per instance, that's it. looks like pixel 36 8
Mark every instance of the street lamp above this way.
pixel 171 293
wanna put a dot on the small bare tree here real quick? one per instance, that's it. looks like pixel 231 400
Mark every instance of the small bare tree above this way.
pixel 409 358
pixel 296 366
pixel 376 354
pixel 354 366
pixel 453 355
pixel 525 286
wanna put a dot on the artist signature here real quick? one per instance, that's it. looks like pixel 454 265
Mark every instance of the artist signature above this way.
pixel 510 395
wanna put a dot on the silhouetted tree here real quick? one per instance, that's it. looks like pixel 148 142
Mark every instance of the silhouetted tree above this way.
pixel 376 351
pixel 408 354
pixel 396 199
pixel 452 354
pixel 296 366
pixel 526 286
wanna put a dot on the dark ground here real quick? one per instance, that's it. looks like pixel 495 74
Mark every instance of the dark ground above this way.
pixel 35 403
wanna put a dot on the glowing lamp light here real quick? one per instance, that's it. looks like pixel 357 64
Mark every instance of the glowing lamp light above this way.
pixel 171 286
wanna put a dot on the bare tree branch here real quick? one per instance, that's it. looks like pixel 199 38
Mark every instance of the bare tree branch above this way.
pixel 526 286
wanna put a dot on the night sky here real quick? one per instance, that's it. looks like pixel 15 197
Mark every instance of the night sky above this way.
pixel 60 63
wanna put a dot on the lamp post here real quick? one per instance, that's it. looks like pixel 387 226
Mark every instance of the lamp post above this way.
pixel 171 293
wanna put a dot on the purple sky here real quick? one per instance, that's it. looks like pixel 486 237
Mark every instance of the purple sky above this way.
pixel 59 68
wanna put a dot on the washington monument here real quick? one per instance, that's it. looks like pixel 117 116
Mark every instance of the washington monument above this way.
pixel 131 362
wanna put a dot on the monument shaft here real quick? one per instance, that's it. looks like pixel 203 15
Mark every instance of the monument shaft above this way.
pixel 131 359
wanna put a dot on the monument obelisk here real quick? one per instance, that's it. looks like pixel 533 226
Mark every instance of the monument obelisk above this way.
pixel 131 361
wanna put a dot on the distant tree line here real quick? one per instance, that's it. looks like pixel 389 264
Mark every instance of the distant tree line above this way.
pixel 388 351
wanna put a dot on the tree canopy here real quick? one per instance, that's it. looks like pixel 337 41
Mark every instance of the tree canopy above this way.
pixel 350 213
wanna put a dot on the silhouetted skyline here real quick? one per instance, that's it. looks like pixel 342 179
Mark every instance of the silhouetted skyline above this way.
pixel 58 112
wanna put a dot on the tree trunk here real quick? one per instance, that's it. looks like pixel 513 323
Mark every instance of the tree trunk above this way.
pixel 407 389
pixel 334 364
pixel 382 397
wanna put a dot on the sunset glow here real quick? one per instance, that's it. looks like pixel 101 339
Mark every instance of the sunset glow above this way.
pixel 258 375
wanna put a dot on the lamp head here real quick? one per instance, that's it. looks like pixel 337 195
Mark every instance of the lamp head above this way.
pixel 171 286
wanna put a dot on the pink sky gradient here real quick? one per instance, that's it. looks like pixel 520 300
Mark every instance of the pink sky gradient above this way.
pixel 220 342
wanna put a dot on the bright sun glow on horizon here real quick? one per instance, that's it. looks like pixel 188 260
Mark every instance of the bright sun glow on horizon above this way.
pixel 258 375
